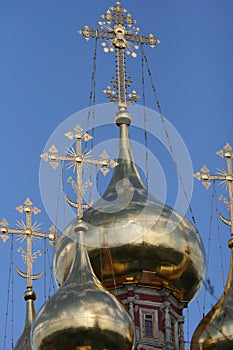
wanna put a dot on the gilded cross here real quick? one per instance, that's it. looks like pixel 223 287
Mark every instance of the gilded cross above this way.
pixel 226 177
pixel 77 159
pixel 28 231
pixel 120 35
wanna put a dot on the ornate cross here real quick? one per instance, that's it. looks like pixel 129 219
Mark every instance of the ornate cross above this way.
pixel 226 177
pixel 120 35
pixel 28 231
pixel 77 159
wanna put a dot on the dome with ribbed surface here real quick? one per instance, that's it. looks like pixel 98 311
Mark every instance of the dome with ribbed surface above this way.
pixel 132 236
pixel 82 314
pixel 215 331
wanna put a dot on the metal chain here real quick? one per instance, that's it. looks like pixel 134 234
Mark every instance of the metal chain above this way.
pixel 93 85
pixel 92 101
pixel 61 188
pixel 145 120
pixel 188 331
pixel 8 291
pixel 207 283
pixel 12 297
pixel 46 251
pixel 94 92
pixel 112 269
pixel 45 270
pixel 50 262
pixel 168 138
pixel 51 280
pixel 63 191
pixel 198 306
pixel 220 244
pixel 101 267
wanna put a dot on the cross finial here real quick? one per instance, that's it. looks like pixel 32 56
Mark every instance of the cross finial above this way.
pixel 29 231
pixel 77 159
pixel 120 35
pixel 225 177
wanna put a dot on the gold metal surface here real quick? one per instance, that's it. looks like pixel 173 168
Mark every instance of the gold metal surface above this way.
pixel 215 331
pixel 225 177
pixel 27 231
pixel 82 314
pixel 24 342
pixel 119 35
pixel 77 159
pixel 128 236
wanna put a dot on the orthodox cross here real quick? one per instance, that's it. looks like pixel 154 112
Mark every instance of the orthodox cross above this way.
pixel 120 36
pixel 77 159
pixel 28 231
pixel 226 177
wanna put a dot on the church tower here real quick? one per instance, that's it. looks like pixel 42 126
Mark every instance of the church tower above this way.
pixel 128 265
pixel 155 271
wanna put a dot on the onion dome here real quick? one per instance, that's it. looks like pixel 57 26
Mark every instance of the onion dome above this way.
pixel 215 331
pixel 23 342
pixel 82 314
pixel 134 237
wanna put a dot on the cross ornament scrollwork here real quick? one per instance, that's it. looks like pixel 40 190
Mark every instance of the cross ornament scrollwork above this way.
pixel 120 35
pixel 77 159
pixel 225 177
pixel 28 231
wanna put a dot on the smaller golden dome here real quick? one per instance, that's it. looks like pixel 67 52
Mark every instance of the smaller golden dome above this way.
pixel 24 340
pixel 215 331
pixel 82 314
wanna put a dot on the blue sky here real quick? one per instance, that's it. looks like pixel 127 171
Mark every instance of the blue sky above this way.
pixel 45 69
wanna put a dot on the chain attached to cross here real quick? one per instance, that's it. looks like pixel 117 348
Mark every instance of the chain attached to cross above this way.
pixel 77 159
pixel 28 231
pixel 120 36
pixel 226 177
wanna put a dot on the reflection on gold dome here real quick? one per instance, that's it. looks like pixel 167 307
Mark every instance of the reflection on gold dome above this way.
pixel 175 271
pixel 131 234
pixel 215 331
pixel 82 314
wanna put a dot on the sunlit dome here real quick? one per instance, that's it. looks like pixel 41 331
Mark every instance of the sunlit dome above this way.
pixel 82 314
pixel 215 331
pixel 133 237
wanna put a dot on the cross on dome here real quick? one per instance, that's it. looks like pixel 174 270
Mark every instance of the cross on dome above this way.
pixel 120 35
pixel 226 177
pixel 77 159
pixel 28 231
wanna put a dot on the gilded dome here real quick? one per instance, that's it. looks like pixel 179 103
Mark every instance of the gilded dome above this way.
pixel 82 314
pixel 23 342
pixel 134 237
pixel 215 331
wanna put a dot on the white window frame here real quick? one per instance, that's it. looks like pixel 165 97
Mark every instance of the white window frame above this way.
pixel 155 325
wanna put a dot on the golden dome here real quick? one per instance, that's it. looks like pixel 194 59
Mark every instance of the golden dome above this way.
pixel 24 340
pixel 82 314
pixel 132 236
pixel 215 331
